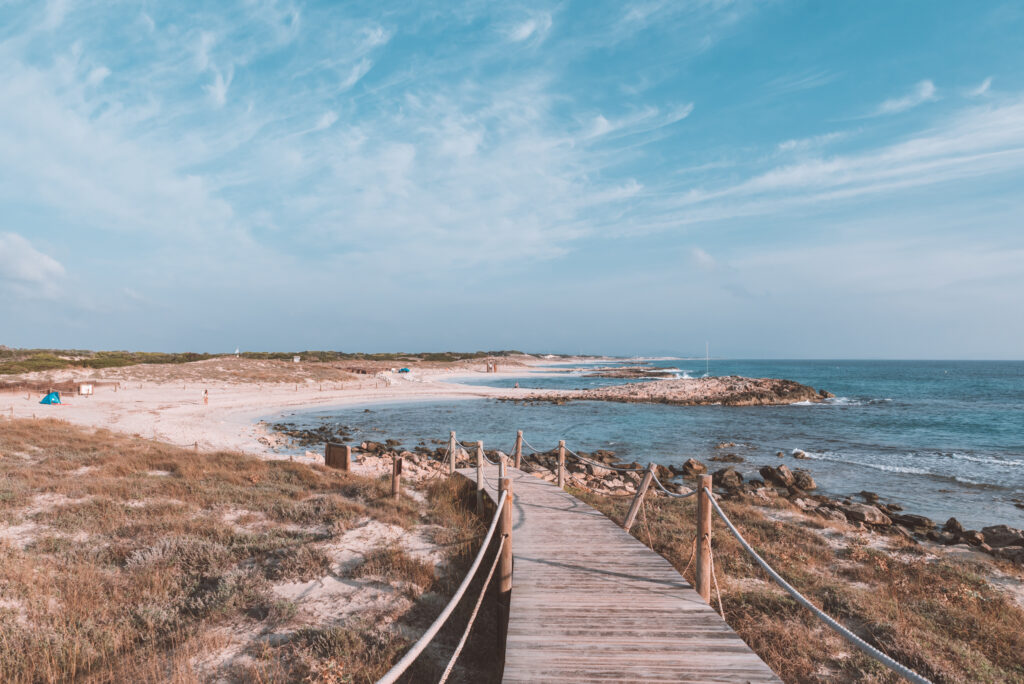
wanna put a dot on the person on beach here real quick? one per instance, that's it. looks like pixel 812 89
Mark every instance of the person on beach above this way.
pixel 206 396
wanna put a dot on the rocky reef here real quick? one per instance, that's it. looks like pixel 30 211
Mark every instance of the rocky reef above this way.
pixel 731 390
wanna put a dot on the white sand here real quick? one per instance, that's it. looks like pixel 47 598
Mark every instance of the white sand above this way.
pixel 171 412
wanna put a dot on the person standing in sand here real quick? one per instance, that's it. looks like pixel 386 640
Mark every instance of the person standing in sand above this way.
pixel 206 396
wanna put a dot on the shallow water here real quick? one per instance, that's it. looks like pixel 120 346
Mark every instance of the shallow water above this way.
pixel 941 438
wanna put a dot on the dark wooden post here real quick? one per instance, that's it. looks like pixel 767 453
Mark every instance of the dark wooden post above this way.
pixel 451 453
pixel 480 478
pixel 519 449
pixel 504 565
pixel 396 477
pixel 561 463
pixel 338 456
pixel 703 572
pixel 634 508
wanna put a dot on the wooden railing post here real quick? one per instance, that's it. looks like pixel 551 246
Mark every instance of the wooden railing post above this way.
pixel 480 478
pixel 451 453
pixel 519 449
pixel 504 564
pixel 396 477
pixel 561 463
pixel 703 572
pixel 638 500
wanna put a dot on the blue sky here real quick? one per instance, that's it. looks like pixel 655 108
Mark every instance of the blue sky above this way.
pixel 783 179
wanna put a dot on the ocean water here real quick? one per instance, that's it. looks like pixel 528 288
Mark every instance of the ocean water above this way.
pixel 942 438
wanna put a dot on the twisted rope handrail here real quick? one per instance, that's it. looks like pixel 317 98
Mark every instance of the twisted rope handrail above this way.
pixel 674 495
pixel 584 459
pixel 414 651
pixel 472 617
pixel 824 617
pixel 594 463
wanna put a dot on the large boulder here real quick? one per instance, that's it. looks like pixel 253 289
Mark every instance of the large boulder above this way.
pixel 953 526
pixel 693 468
pixel 870 515
pixel 915 523
pixel 829 513
pixel 780 475
pixel 727 477
pixel 803 480
pixel 1001 536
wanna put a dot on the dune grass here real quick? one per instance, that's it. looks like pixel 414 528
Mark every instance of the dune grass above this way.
pixel 119 555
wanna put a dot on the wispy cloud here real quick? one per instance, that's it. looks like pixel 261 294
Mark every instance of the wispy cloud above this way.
pixel 923 92
pixel 356 73
pixel 25 272
pixel 326 120
pixel 814 142
pixel 981 89
pixel 536 28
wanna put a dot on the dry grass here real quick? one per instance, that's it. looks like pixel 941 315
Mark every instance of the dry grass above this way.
pixel 119 555
pixel 935 615
pixel 391 563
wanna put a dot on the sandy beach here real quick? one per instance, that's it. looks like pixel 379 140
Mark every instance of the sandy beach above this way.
pixel 166 403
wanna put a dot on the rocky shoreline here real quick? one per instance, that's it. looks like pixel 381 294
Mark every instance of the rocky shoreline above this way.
pixel 731 390
pixel 863 510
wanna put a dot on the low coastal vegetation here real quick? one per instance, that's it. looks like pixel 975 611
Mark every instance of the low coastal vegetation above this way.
pixel 15 361
pixel 127 559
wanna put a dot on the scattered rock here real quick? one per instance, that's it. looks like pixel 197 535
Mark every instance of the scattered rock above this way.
pixel 829 513
pixel 870 497
pixel 1001 536
pixel 797 453
pixel 781 454
pixel 803 480
pixel 727 477
pixel 779 475
pixel 973 537
pixel 725 445
pixel 693 468
pixel 915 523
pixel 727 458
pixel 866 514
pixel 953 526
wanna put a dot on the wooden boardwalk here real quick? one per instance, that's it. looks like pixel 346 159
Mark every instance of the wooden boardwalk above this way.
pixel 592 604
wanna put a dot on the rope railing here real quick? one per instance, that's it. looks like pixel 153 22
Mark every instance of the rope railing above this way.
pixel 821 615
pixel 417 648
pixel 674 495
pixel 472 616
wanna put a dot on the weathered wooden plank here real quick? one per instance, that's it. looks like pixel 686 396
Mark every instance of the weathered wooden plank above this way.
pixel 591 603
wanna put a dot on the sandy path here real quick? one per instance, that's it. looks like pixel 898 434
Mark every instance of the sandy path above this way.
pixel 175 413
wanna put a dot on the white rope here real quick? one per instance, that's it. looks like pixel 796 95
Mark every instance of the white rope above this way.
pixel 533 448
pixel 594 463
pixel 402 665
pixel 673 494
pixel 472 617
pixel 842 631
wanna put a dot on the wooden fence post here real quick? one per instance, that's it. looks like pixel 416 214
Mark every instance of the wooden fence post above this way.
pixel 480 478
pixel 519 449
pixel 561 464
pixel 396 477
pixel 638 500
pixel 451 453
pixel 504 565
pixel 703 572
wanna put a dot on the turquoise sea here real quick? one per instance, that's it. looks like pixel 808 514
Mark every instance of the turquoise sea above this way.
pixel 942 438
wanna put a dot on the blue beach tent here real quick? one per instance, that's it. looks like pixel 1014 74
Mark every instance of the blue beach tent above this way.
pixel 51 398
pixel 403 370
